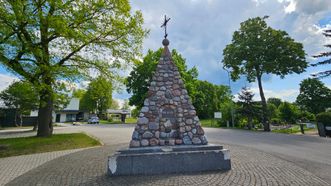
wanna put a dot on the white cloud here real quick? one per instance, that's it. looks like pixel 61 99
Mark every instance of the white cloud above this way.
pixel 285 94
pixel 6 80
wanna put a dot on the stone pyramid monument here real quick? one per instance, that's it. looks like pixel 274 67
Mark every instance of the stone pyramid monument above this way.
pixel 168 116
pixel 168 130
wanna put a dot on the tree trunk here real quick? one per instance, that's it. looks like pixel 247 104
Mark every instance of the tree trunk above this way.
pixel 15 119
pixel 45 127
pixel 21 119
pixel 264 106
pixel 250 123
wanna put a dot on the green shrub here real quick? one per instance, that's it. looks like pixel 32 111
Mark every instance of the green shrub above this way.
pixel 324 117
pixel 275 121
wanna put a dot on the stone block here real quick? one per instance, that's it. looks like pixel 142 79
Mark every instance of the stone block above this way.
pixel 167 160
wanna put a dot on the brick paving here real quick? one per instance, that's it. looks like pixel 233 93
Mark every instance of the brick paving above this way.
pixel 89 167
pixel 249 166
pixel 12 167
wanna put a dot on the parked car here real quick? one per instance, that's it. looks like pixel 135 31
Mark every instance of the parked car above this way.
pixel 93 120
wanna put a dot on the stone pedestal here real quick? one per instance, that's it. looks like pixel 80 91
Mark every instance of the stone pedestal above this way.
pixel 169 159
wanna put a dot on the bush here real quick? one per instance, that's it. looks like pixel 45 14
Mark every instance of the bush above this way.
pixel 275 121
pixel 324 117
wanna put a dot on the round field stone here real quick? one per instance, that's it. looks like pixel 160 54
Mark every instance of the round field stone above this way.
pixel 196 141
pixel 153 142
pixel 188 128
pixel 153 126
pixel 144 109
pixel 171 142
pixel 187 140
pixel 134 143
pixel 135 135
pixel 142 121
pixel 178 141
pixel 157 134
pixel 189 121
pixel 144 142
pixel 147 135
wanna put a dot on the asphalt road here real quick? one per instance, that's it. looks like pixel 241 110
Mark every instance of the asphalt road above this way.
pixel 309 152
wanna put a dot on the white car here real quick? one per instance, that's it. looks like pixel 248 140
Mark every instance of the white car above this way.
pixel 93 120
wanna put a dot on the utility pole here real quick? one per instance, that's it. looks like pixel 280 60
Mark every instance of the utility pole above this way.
pixel 232 111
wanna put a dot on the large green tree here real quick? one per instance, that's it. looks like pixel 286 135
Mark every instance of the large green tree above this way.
pixel 21 96
pixel 314 96
pixel 326 56
pixel 289 112
pixel 98 97
pixel 207 98
pixel 42 41
pixel 140 77
pixel 258 49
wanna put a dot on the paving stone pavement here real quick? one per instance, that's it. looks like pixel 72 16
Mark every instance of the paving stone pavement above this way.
pixel 89 167
pixel 12 167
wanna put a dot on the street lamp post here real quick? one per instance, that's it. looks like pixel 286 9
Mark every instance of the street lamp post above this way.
pixel 232 111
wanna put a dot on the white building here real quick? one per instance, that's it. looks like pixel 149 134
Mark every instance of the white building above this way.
pixel 70 113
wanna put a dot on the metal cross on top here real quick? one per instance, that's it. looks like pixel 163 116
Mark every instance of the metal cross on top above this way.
pixel 165 25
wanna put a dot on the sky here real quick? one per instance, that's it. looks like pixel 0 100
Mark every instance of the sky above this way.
pixel 200 30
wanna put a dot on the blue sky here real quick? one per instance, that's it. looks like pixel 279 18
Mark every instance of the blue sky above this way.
pixel 200 30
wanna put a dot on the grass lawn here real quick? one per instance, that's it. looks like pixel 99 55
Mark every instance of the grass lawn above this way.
pixel 31 145
pixel 293 129
pixel 127 121
pixel 10 128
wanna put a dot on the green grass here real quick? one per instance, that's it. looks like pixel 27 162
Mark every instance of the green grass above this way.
pixel 127 121
pixel 292 130
pixel 31 145
pixel 10 128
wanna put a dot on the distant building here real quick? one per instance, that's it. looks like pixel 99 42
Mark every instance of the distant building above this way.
pixel 69 114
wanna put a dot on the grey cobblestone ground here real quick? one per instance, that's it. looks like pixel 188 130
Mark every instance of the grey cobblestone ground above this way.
pixel 249 167
pixel 12 167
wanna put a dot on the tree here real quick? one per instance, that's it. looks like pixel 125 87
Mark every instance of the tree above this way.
pixel 22 97
pixel 126 105
pixel 43 41
pixel 208 98
pixel 258 49
pixel 327 33
pixel 248 108
pixel 275 101
pixel 78 93
pixel 314 96
pixel 98 97
pixel 114 104
pixel 140 77
pixel 288 112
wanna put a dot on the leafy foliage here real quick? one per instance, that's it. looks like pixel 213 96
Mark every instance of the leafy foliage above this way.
pixel 98 97
pixel 314 95
pixel 44 41
pixel 326 60
pixel 208 98
pixel 258 49
pixel 275 101
pixel 20 95
pixel 324 117
pixel 288 112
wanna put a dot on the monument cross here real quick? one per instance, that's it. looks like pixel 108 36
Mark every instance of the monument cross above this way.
pixel 168 137
pixel 166 20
